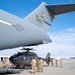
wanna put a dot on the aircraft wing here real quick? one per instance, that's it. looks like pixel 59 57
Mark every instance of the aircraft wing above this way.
pixel 60 9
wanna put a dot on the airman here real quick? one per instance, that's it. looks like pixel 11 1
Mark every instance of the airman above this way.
pixel 33 64
pixel 40 65
pixel 4 62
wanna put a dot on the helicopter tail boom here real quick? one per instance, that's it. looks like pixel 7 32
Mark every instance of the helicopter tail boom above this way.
pixel 47 59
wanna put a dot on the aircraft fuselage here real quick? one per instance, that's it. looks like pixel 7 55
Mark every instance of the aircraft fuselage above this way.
pixel 15 32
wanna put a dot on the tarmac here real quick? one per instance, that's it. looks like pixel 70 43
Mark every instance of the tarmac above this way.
pixel 67 69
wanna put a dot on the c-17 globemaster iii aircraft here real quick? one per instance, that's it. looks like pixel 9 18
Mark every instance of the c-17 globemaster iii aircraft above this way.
pixel 32 30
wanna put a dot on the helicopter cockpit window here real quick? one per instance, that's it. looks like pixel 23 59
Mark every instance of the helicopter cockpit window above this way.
pixel 24 58
pixel 29 58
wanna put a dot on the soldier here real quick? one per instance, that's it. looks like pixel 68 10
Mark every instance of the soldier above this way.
pixel 40 65
pixel 33 64
pixel 61 62
pixel 52 61
pixel 4 62
pixel 58 60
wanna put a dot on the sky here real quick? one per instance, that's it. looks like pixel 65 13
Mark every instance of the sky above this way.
pixel 62 30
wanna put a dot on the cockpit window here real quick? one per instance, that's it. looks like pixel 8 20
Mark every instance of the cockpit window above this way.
pixel 24 58
pixel 30 58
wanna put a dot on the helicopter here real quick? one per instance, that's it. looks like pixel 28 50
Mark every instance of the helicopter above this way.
pixel 23 59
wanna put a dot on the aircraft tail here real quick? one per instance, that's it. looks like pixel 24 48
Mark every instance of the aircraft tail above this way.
pixel 47 59
pixel 41 17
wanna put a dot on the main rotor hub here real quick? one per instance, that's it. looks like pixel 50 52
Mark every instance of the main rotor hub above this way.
pixel 27 49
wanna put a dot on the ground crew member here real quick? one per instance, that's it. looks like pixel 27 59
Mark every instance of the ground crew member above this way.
pixel 33 64
pixel 58 60
pixel 40 65
pixel 52 61
pixel 4 62
pixel 61 62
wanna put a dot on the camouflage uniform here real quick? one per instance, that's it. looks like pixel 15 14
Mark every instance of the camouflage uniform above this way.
pixel 33 64
pixel 59 61
pixel 52 60
pixel 4 62
pixel 40 65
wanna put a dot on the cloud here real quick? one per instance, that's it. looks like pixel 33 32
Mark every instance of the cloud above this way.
pixel 62 45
